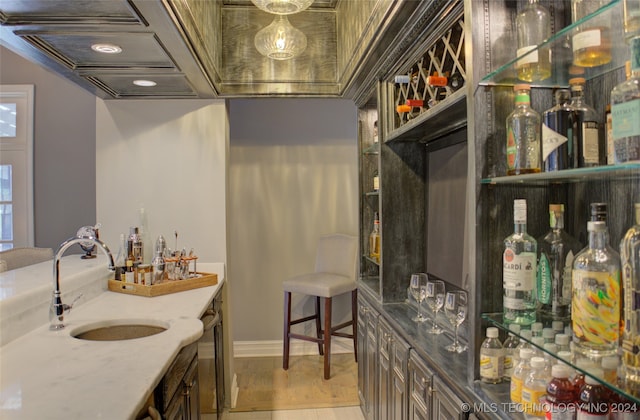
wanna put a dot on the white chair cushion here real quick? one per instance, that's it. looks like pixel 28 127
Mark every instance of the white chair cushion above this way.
pixel 3 266
pixel 319 284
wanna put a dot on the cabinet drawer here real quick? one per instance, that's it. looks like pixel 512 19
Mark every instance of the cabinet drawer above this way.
pixel 172 380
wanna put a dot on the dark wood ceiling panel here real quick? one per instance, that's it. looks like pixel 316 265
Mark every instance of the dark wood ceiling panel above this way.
pixel 20 12
pixel 141 50
pixel 121 85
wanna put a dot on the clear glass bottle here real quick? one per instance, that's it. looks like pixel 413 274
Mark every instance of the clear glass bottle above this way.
pixel 536 329
pixel 519 270
pixel 534 389
pixel 533 26
pixel 135 247
pixel 524 149
pixel 631 18
pixel 562 341
pixel 625 107
pixel 491 358
pixel 592 42
pixel 557 133
pixel 374 239
pixel 557 250
pixel 510 347
pixel 376 181
pixel 630 260
pixel 520 373
pixel 121 256
pixel 590 148
pixel 595 305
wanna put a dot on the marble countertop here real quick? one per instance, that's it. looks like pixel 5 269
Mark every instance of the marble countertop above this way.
pixel 50 374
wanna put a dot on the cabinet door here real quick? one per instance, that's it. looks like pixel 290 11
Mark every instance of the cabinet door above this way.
pixel 367 363
pixel 446 405
pixel 385 340
pixel 420 378
pixel 399 372
pixel 191 391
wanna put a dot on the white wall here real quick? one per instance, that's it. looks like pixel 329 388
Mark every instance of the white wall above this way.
pixel 168 157
pixel 293 176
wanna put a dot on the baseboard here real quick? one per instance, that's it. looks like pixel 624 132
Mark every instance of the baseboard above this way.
pixel 296 348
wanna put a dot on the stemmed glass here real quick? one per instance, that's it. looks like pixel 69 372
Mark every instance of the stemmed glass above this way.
pixel 435 300
pixel 455 309
pixel 418 287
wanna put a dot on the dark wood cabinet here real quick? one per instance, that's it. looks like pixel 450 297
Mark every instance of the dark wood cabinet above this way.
pixel 177 395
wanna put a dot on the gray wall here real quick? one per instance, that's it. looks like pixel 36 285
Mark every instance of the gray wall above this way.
pixel 292 177
pixel 64 150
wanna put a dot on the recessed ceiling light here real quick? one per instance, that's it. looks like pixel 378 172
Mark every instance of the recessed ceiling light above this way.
pixel 106 48
pixel 145 83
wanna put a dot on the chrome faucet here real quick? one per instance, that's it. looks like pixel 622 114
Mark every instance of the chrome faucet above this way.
pixel 58 309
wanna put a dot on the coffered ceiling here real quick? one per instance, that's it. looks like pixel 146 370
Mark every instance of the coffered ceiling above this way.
pixel 201 48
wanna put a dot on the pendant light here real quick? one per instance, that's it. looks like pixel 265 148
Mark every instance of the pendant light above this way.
pixel 282 7
pixel 280 40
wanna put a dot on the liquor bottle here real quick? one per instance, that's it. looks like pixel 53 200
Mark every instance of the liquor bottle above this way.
pixel 631 18
pixel 520 373
pixel 625 106
pixel 519 270
pixel 593 399
pixel 592 42
pixel 374 239
pixel 376 181
pixel 534 388
pixel 557 133
pixel 491 358
pixel 135 246
pixel 454 81
pixel 590 148
pixel 557 251
pixel 533 26
pixel 561 394
pixel 595 305
pixel 523 135
pixel 630 260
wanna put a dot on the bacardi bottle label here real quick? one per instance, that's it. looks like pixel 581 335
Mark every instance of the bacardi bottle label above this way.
pixel 519 274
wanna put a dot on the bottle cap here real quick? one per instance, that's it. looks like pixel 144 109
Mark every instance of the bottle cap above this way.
pixel 554 208
pixel 492 332
pixel 562 96
pixel 564 355
pixel 558 326
pixel 551 347
pixel 402 78
pixel 515 328
pixel 538 341
pixel 598 212
pixel 576 81
pixel 526 353
pixel 537 362
pixel 522 86
pixel 548 334
pixel 562 339
pixel 560 371
pixel 610 362
pixel 594 371
pixel 536 328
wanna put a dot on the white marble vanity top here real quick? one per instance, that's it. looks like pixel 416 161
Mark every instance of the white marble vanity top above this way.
pixel 51 375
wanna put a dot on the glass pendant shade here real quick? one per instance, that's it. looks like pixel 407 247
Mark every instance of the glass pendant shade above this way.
pixel 282 7
pixel 280 40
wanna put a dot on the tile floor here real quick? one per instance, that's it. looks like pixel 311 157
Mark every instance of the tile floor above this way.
pixel 337 413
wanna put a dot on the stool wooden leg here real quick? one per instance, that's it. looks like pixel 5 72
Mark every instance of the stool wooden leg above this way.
pixel 327 337
pixel 354 318
pixel 287 329
pixel 319 326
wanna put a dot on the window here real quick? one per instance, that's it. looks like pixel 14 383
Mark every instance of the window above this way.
pixel 16 166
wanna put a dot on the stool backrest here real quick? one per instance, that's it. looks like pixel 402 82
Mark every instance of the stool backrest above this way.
pixel 338 254
pixel 21 257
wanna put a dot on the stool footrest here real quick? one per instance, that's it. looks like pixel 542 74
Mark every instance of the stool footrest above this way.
pixel 340 334
pixel 341 326
pixel 305 319
pixel 305 337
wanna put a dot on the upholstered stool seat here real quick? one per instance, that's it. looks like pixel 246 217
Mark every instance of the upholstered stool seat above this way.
pixel 335 273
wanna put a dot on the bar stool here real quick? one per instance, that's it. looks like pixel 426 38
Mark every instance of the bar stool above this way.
pixel 335 274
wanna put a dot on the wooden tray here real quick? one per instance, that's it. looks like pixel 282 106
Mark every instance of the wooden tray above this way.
pixel 166 287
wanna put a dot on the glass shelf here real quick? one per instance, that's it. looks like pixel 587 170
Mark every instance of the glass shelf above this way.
pixel 371 260
pixel 496 319
pixel 372 193
pixel 562 55
pixel 374 149
pixel 622 171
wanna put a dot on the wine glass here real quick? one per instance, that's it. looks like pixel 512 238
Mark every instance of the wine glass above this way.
pixel 417 286
pixel 455 309
pixel 435 300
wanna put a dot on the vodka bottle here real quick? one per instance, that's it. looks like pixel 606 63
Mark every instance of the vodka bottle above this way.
pixel 374 240
pixel 595 311
pixel 590 148
pixel 630 260
pixel 557 134
pixel 592 42
pixel 524 154
pixel 491 358
pixel 625 107
pixel 519 270
pixel 533 26
pixel 557 251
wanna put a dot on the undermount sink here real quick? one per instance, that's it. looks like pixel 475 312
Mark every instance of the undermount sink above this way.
pixel 116 330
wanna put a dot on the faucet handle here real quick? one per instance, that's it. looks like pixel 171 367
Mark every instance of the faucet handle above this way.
pixel 58 309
